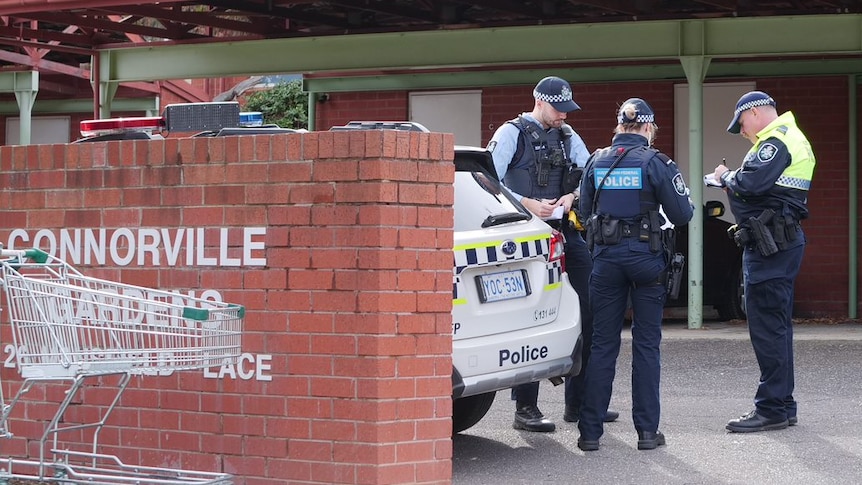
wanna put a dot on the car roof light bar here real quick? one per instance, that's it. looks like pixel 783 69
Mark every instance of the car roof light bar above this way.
pixel 251 118
pixel 121 125
pixel 181 117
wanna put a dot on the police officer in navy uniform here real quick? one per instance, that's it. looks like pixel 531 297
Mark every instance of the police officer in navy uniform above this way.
pixel 623 189
pixel 533 155
pixel 768 196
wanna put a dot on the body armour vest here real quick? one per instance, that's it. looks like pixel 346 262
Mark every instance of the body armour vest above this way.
pixel 538 169
pixel 627 193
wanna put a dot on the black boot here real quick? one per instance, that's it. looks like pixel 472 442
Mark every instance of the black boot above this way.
pixel 529 418
pixel 754 422
pixel 648 440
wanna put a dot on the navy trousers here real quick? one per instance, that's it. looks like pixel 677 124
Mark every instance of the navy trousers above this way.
pixel 769 305
pixel 624 271
pixel 579 265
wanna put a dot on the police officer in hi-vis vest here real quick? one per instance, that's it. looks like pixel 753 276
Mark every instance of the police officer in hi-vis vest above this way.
pixel 533 155
pixel 624 187
pixel 768 196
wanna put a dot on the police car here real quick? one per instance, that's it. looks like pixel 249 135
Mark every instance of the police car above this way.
pixel 515 316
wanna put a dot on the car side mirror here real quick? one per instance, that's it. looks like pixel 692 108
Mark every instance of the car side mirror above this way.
pixel 713 208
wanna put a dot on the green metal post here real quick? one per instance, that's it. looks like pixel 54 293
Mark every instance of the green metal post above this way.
pixel 853 198
pixel 695 71
pixel 312 110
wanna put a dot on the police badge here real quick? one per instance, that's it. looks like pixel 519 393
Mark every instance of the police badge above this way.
pixel 679 185
pixel 767 152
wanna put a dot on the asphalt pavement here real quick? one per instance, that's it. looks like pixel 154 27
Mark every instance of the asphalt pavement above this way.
pixel 709 375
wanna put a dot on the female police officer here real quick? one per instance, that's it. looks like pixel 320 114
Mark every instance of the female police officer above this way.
pixel 621 192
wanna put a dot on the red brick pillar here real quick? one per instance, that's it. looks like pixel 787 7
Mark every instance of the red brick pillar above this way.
pixel 369 272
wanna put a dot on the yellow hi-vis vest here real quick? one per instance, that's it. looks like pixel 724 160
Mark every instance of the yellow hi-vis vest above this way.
pixel 798 174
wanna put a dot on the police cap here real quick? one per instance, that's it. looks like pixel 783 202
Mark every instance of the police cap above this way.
pixel 643 112
pixel 556 92
pixel 751 99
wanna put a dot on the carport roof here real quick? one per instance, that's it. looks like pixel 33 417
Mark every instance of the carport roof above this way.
pixel 82 25
pixel 58 37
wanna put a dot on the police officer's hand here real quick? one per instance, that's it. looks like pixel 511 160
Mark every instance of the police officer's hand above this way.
pixel 544 208
pixel 567 201
pixel 720 170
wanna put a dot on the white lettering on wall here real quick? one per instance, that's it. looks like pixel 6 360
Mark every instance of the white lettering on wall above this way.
pixel 152 247
pixel 146 246
pixel 247 367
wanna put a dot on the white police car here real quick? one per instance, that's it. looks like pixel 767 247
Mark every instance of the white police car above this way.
pixel 515 316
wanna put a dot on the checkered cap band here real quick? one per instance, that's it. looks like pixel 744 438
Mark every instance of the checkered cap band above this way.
pixel 565 95
pixel 650 118
pixel 753 104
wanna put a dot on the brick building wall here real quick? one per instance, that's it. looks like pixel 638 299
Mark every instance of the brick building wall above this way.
pixel 338 244
pixel 821 289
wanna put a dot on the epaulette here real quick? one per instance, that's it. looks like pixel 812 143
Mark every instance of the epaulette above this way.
pixel 527 128
pixel 658 154
pixel 601 152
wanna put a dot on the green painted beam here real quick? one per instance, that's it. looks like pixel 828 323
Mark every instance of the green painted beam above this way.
pixel 469 79
pixel 645 41
pixel 11 82
pixel 10 108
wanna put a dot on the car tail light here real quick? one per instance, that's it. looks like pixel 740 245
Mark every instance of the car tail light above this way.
pixel 557 248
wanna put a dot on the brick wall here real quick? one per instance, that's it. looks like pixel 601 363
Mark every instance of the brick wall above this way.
pixel 346 368
pixel 821 289
pixel 342 108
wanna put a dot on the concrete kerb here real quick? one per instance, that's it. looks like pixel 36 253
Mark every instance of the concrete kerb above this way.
pixel 736 329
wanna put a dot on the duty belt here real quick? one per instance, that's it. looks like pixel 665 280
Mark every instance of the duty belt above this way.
pixel 629 230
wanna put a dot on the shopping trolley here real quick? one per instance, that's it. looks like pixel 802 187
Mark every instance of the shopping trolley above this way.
pixel 68 327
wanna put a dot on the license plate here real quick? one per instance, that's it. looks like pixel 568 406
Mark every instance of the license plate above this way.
pixel 503 286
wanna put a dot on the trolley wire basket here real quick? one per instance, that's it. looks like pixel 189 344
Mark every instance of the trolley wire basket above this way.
pixel 68 327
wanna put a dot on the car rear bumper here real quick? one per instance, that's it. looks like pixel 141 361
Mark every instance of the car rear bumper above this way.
pixel 500 361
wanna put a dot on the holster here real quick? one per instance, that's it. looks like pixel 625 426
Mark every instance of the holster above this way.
pixel 761 234
pixel 674 275
pixel 592 226
pixel 611 231
pixel 654 231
